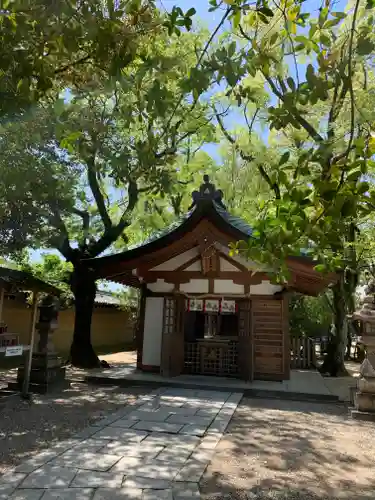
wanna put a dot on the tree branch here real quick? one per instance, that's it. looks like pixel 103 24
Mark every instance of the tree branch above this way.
pixel 82 60
pixel 62 244
pixel 273 185
pixel 294 112
pixel 114 232
pixel 85 225
pixel 204 52
pixel 350 79
pixel 98 196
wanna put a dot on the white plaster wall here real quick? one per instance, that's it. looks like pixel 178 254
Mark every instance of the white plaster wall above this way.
pixel 227 287
pixel 195 266
pixel 250 264
pixel 227 266
pixel 195 286
pixel 264 288
pixel 153 328
pixel 175 262
pixel 160 286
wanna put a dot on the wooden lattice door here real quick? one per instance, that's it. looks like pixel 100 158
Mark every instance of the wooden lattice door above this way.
pixel 245 341
pixel 172 355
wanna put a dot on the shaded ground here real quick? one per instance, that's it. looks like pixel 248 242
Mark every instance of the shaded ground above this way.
pixel 25 428
pixel 10 374
pixel 291 450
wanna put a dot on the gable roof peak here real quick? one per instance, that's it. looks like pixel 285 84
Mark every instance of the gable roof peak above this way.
pixel 207 191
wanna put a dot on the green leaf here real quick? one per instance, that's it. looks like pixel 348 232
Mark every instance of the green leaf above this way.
pixel 266 11
pixel 363 187
pixel 323 16
pixel 339 15
pixel 331 23
pixel 274 38
pixel 291 84
pixel 320 268
pixel 364 46
pixel 310 75
pixel 190 12
pixel 313 28
pixel 284 158
pixel 231 49
pixel 325 40
pixel 236 18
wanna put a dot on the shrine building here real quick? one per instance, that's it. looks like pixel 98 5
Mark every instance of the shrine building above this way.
pixel 202 310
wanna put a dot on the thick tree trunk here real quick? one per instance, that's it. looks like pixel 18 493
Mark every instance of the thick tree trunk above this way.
pixel 334 359
pixel 82 354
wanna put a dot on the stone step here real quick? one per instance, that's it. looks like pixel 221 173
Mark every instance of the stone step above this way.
pixel 251 392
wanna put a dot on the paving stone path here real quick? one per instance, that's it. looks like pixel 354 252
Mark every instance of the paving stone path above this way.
pixel 155 449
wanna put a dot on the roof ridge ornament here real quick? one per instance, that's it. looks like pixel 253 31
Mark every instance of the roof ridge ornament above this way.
pixel 207 191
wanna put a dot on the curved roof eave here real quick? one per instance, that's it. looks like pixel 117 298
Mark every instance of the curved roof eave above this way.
pixel 208 209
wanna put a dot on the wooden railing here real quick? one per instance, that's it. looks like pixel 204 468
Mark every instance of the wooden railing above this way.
pixel 302 353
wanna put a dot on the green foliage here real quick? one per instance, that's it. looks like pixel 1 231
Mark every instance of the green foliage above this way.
pixel 52 269
pixel 310 316
pixel 319 184
pixel 90 159
pixel 49 47
pixel 129 300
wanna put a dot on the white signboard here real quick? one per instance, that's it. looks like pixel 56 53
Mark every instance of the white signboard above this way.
pixel 211 305
pixel 228 306
pixel 14 350
pixel 195 305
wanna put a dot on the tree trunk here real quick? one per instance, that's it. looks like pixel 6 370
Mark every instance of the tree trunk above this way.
pixel 334 359
pixel 82 354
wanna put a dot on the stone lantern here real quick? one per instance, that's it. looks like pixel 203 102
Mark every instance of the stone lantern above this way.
pixel 46 368
pixel 365 395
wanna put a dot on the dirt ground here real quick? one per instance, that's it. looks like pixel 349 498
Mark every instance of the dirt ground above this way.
pixel 291 450
pixel 10 374
pixel 120 357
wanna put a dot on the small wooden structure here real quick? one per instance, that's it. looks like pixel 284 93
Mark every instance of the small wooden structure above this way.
pixel 13 279
pixel 203 310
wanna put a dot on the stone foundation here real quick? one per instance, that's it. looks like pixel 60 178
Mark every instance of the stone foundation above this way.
pixel 46 373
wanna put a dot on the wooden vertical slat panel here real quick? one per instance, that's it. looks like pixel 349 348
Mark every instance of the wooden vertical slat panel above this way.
pixel 286 335
pixel 172 355
pixel 268 335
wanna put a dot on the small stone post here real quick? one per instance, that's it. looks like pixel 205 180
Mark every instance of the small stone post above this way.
pixel 365 395
pixel 46 367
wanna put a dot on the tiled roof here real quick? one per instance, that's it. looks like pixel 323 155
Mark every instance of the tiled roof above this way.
pixel 234 221
pixel 21 280
pixel 103 297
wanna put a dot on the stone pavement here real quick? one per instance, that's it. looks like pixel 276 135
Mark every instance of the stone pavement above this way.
pixel 155 449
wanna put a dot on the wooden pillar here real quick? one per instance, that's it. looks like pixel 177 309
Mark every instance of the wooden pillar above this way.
pixel 29 357
pixel 139 334
pixel 286 335
pixel 245 341
pixel 172 354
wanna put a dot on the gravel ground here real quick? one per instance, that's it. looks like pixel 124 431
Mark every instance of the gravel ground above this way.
pixel 285 450
pixel 26 429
